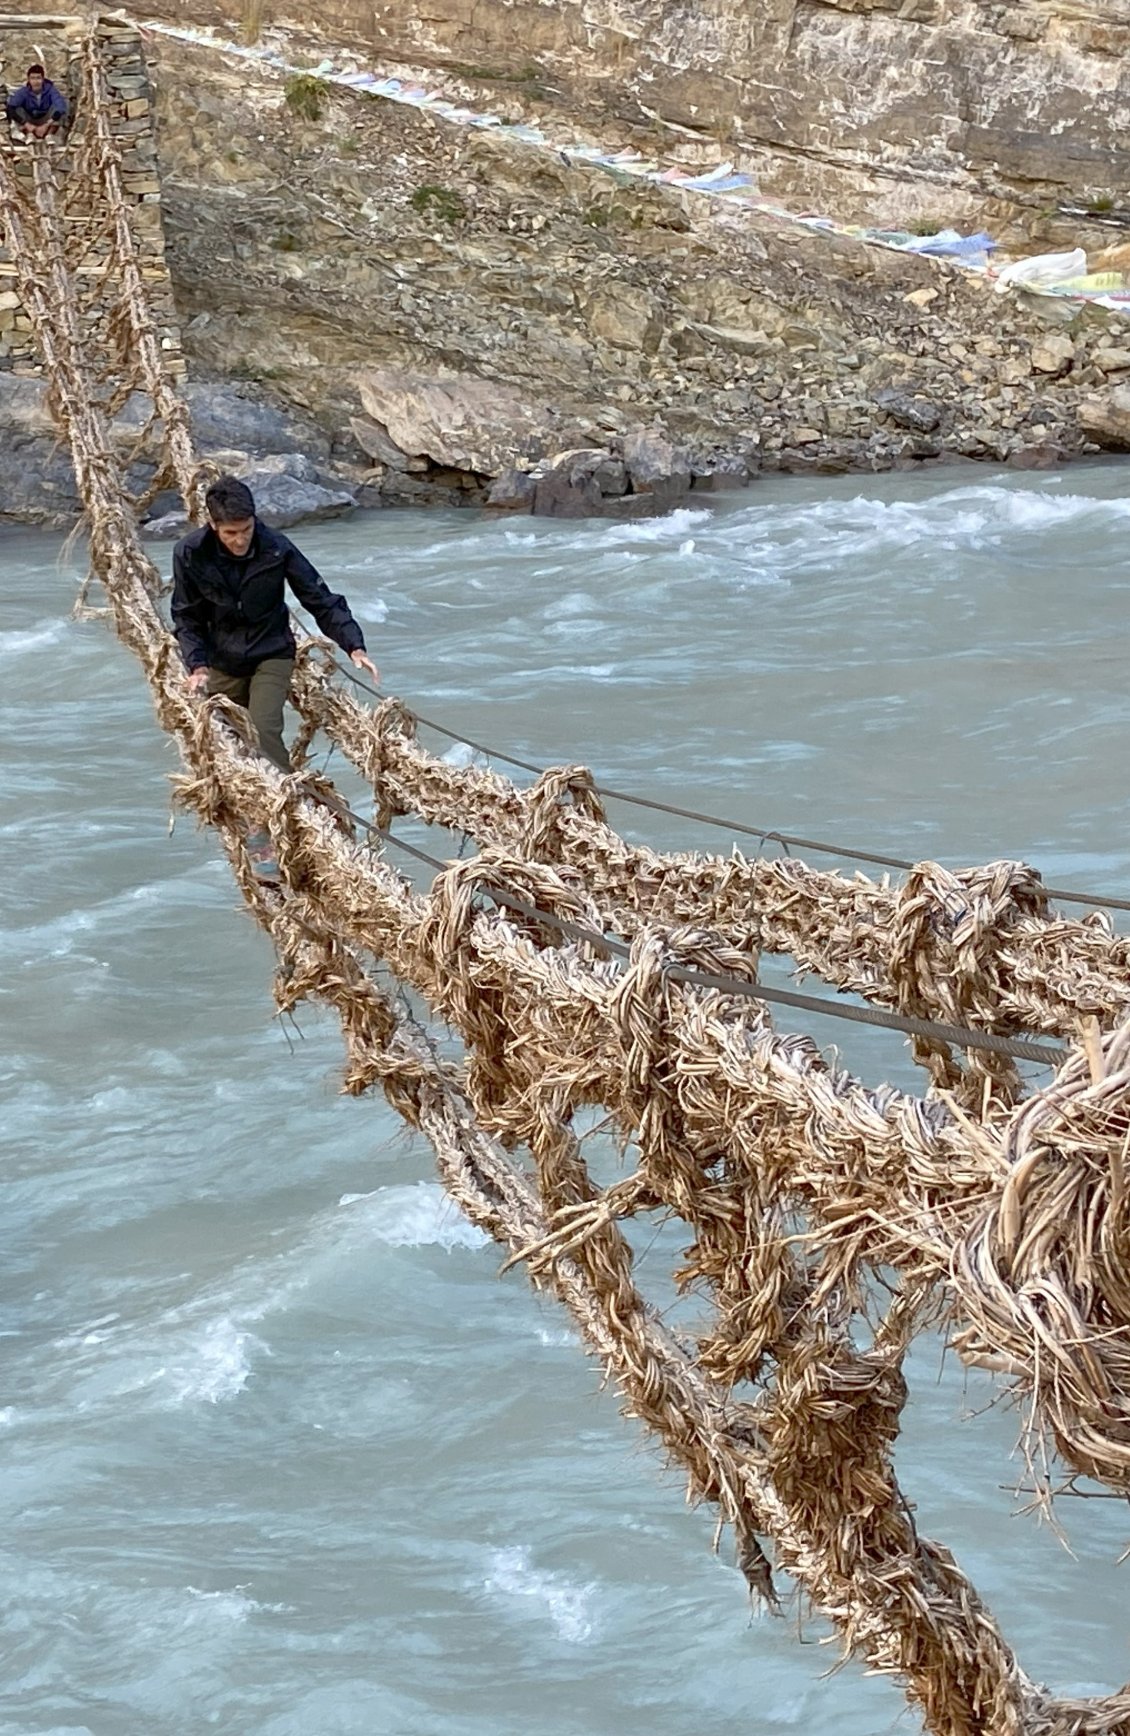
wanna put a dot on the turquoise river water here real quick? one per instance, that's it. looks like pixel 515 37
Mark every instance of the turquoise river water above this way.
pixel 282 1456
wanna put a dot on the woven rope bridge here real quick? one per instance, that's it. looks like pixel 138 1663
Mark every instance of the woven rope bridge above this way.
pixel 826 1221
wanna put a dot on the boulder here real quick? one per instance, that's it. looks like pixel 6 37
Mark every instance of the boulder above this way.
pixel 166 528
pixel 168 500
pixel 288 489
pixel 23 407
pixel 376 443
pixel 656 466
pixel 610 475
pixel 566 485
pixel 630 506
pixel 226 419
pixel 714 475
pixel 225 416
pixel 625 318
pixel 513 491
pixel 288 492
pixel 1053 354
pixel 37 483
pixel 462 421
pixel 1014 371
pixel 1105 418
pixel 441 487
pixel 741 341
pixel 588 482
pixel 1044 456
pixel 260 472
pixel 909 409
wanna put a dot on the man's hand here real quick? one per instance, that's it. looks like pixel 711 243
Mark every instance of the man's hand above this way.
pixel 198 679
pixel 360 661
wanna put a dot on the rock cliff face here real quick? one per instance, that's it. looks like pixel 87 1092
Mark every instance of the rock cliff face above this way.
pixel 308 253
pixel 395 279
pixel 888 108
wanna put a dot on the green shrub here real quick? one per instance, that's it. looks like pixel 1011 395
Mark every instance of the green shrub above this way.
pixel 481 74
pixel 439 202
pixel 305 95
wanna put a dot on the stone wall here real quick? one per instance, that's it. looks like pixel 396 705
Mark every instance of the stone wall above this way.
pixel 56 41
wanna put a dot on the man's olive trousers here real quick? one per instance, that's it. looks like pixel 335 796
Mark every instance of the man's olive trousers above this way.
pixel 263 694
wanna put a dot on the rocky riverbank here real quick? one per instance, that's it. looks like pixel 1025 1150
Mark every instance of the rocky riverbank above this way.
pixel 457 441
pixel 285 457
pixel 382 308
pixel 354 263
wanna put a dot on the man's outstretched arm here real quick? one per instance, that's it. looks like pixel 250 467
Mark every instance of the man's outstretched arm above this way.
pixel 329 609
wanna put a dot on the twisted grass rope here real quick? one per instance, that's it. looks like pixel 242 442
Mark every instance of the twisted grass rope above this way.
pixel 977 951
pixel 1042 1054
pixel 743 828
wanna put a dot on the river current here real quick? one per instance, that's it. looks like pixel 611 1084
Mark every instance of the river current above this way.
pixel 282 1456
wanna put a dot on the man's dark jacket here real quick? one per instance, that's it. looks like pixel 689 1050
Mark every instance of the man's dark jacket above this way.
pixel 49 105
pixel 231 615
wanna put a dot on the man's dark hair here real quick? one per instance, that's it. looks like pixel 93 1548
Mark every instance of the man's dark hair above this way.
pixel 36 67
pixel 229 500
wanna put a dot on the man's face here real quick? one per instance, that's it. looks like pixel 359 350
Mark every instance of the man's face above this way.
pixel 236 537
pixel 35 82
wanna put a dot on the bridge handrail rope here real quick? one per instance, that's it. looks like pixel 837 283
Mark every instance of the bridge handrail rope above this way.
pixel 1011 1223
pixel 744 828
pixel 1043 1054
pixel 978 950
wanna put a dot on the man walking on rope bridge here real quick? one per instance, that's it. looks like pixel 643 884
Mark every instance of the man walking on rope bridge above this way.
pixel 36 107
pixel 232 625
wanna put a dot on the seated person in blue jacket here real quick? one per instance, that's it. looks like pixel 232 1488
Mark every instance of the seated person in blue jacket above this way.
pixel 37 107
pixel 232 624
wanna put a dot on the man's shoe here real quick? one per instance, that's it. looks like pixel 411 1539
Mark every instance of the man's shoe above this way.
pixel 261 854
